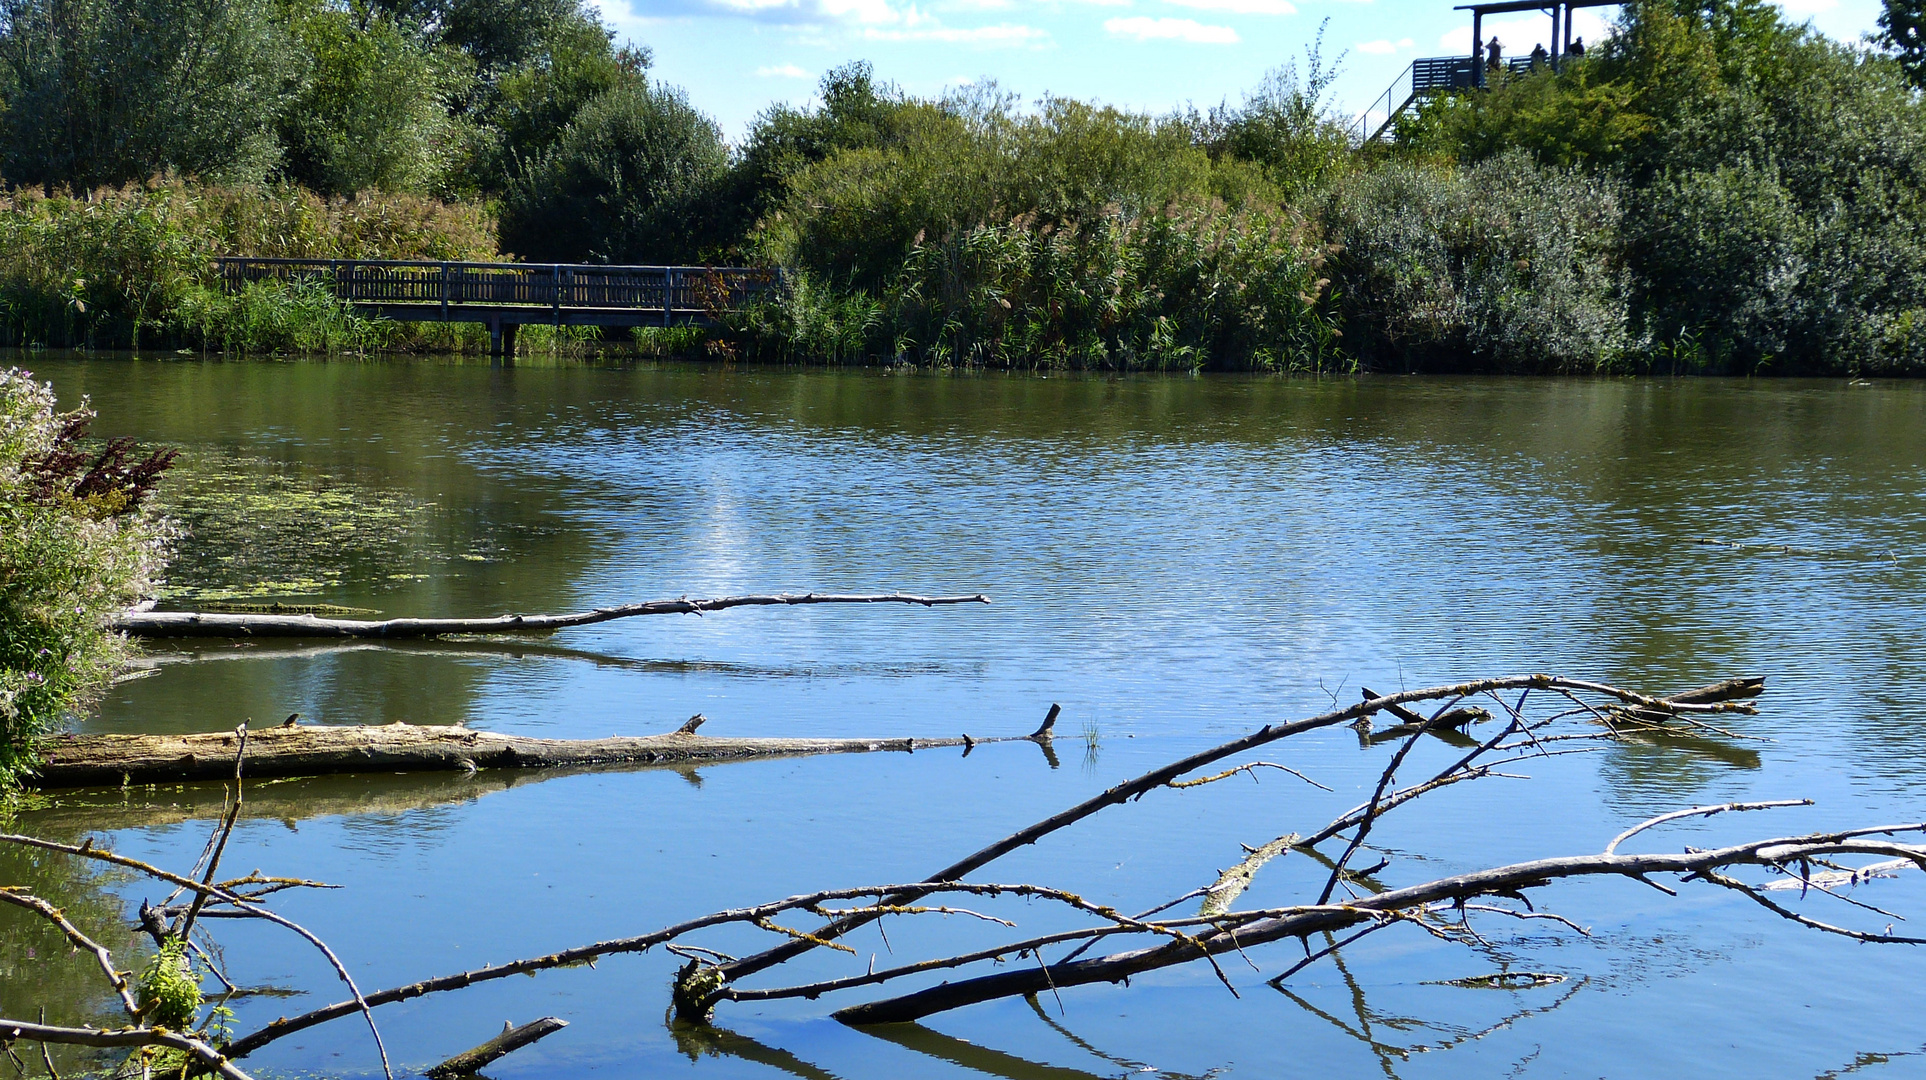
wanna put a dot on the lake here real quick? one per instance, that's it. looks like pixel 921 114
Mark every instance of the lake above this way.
pixel 1175 560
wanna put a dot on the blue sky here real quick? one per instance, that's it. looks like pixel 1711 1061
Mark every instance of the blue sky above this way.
pixel 734 57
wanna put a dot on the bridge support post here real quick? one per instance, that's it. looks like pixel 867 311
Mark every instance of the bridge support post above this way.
pixel 501 336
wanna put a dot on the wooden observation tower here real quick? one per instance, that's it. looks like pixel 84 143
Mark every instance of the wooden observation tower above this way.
pixel 1441 74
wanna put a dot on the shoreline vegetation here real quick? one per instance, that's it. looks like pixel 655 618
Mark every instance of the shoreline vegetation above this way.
pixel 1713 189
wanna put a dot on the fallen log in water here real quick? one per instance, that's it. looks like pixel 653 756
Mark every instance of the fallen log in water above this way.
pixel 155 624
pixel 310 750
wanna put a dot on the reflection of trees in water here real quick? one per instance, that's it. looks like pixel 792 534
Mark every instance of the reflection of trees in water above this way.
pixel 1649 773
pixel 40 969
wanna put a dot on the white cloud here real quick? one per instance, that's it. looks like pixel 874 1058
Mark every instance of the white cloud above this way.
pixel 782 71
pixel 1383 46
pixel 1241 7
pixel 1004 35
pixel 1796 8
pixel 862 11
pixel 1146 29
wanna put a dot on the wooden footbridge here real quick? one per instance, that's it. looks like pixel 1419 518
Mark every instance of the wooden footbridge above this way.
pixel 506 296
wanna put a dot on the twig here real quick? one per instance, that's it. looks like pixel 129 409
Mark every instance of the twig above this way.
pixel 1699 811
pixel 1249 767
pixel 22 899
pixel 1507 880
pixel 1157 777
pixel 220 844
pixel 45 1054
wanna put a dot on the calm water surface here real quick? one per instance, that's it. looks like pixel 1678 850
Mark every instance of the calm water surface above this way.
pixel 1175 560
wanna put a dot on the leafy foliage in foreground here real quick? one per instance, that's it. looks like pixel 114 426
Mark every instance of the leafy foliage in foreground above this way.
pixel 77 545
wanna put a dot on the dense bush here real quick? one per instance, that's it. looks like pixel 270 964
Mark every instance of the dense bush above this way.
pixel 1183 287
pixel 1504 265
pixel 77 546
pixel 968 231
pixel 1775 181
pixel 373 110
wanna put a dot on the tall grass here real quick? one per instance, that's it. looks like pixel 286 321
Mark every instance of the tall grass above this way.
pixel 133 266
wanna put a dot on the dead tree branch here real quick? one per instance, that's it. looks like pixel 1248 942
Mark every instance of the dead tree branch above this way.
pixel 126 1037
pixel 156 624
pixel 1159 777
pixel 510 1040
pixel 311 750
pixel 1301 922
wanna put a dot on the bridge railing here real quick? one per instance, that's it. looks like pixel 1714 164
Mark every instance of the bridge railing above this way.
pixel 671 290
pixel 1423 77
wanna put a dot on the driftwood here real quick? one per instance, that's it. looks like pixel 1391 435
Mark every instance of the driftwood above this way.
pixel 469 1062
pixel 310 749
pixel 692 1007
pixel 1568 716
pixel 166 624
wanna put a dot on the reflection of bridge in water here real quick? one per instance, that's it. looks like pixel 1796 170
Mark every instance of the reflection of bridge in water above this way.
pixel 1432 75
pixel 504 296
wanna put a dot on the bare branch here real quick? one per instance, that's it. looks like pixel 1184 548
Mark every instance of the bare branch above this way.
pixel 1249 767
pixel 20 898
pixel 207 624
pixel 1699 811
pixel 134 1036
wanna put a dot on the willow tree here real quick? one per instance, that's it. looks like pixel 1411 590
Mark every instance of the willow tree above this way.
pixel 106 91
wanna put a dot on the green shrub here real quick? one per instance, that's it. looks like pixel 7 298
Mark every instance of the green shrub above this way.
pixel 1500 266
pixel 279 317
pixel 1189 286
pixel 77 546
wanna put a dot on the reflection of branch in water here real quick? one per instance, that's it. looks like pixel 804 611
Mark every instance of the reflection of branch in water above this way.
pixel 302 798
pixel 1867 1060
pixel 1389 1055
pixel 1125 1063
pixel 976 1058
pixel 697 1041
pixel 1738 757
pixel 158 655
pixel 701 1040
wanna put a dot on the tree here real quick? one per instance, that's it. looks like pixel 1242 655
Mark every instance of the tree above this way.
pixel 104 91
pixel 497 34
pixel 373 111
pixel 529 107
pixel 1902 28
pixel 625 183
